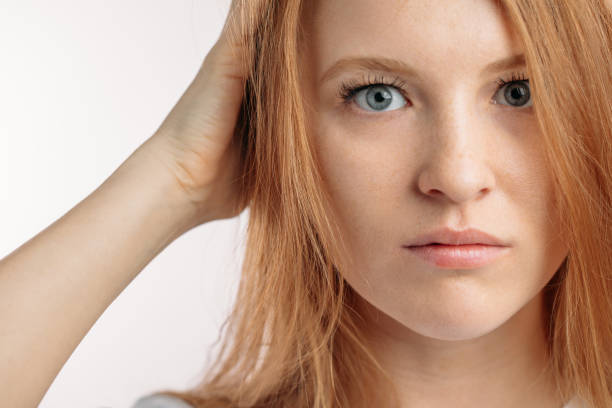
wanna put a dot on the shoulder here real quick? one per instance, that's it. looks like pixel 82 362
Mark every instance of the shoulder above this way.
pixel 160 401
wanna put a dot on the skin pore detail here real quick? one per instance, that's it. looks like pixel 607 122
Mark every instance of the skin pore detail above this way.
pixel 421 114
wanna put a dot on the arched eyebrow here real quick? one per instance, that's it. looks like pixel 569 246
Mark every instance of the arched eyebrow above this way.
pixel 399 67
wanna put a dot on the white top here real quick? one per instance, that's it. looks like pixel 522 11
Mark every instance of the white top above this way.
pixel 165 401
pixel 576 402
pixel 160 401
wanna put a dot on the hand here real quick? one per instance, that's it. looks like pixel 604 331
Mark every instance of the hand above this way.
pixel 196 141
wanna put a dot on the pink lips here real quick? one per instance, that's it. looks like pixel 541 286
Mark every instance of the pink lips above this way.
pixel 459 256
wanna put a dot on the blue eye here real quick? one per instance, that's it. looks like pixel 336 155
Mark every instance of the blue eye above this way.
pixel 375 95
pixel 516 91
pixel 377 98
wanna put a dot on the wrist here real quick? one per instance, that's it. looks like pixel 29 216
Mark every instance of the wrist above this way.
pixel 145 174
pixel 203 193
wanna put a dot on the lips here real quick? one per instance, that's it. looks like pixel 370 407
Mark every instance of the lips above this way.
pixel 448 236
pixel 468 256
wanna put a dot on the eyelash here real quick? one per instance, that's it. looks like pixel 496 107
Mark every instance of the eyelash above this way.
pixel 350 88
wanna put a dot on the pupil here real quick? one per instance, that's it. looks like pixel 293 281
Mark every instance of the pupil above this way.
pixel 517 92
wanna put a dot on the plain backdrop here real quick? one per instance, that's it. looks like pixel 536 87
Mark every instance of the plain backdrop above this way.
pixel 83 84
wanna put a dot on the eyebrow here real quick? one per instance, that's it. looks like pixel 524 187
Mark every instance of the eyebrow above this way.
pixel 399 67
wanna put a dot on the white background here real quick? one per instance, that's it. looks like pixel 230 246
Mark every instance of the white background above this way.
pixel 83 85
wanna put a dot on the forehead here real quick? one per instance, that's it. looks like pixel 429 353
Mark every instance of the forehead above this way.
pixel 427 33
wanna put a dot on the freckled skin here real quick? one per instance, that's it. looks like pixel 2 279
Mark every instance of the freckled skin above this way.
pixel 448 157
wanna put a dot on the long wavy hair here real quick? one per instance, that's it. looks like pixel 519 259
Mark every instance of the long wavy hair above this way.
pixel 293 338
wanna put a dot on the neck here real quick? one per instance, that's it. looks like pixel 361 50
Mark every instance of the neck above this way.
pixel 507 367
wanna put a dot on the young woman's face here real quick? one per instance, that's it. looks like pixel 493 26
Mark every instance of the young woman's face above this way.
pixel 441 145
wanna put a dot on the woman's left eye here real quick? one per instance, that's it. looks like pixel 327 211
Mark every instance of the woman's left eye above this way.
pixel 515 90
pixel 379 98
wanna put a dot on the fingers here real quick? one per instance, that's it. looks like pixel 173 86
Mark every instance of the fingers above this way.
pixel 236 29
pixel 234 17
pixel 234 45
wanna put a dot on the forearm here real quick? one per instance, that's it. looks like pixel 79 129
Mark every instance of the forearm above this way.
pixel 55 286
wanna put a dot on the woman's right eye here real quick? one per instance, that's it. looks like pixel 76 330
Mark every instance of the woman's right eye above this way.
pixel 377 98
pixel 374 93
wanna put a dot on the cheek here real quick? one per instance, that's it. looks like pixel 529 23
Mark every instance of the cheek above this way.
pixel 365 174
pixel 531 191
pixel 532 185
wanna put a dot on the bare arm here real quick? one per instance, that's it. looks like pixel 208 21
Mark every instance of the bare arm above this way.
pixel 55 286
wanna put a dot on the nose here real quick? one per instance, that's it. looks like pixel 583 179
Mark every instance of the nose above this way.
pixel 456 164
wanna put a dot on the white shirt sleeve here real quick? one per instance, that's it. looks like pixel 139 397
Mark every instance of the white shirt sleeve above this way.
pixel 576 402
pixel 160 401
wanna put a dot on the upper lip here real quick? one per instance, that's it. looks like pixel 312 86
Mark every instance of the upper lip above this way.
pixel 449 236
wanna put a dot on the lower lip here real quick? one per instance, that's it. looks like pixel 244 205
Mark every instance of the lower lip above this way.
pixel 459 256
